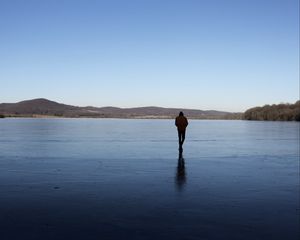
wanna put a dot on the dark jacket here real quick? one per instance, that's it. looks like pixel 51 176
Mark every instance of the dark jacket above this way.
pixel 181 123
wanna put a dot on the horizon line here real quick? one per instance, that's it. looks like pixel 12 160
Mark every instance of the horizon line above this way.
pixel 110 106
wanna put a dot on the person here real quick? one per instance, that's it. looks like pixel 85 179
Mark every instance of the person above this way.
pixel 181 123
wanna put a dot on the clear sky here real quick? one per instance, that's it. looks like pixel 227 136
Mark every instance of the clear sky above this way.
pixel 204 54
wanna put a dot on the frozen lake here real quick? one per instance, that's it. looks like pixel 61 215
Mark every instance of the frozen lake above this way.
pixel 123 179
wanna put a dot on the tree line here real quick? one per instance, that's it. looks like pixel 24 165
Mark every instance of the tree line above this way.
pixel 275 112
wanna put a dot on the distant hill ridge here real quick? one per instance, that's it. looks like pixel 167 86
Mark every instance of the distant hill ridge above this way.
pixel 45 107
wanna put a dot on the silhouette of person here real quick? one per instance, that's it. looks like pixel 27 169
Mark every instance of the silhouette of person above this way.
pixel 181 123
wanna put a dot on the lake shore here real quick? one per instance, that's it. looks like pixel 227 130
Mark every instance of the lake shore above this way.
pixel 111 117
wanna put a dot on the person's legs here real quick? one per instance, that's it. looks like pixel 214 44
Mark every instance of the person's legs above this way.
pixel 179 137
pixel 182 137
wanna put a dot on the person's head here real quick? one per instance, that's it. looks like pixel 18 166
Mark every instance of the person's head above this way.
pixel 181 114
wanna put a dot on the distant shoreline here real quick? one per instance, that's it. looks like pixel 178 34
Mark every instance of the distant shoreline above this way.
pixel 132 118
pixel 137 118
pixel 44 108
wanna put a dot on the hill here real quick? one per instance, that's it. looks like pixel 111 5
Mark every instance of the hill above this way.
pixel 279 112
pixel 44 107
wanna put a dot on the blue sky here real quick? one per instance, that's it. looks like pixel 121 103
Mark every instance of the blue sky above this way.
pixel 205 54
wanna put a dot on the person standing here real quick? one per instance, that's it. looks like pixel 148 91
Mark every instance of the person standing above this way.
pixel 181 123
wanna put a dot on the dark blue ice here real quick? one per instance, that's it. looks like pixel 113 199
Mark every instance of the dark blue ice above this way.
pixel 124 179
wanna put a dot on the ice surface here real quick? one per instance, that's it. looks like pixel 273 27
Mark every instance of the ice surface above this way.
pixel 124 179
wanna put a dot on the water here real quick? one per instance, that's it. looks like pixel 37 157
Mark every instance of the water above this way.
pixel 123 179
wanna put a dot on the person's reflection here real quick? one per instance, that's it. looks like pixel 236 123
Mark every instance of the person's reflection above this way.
pixel 180 175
